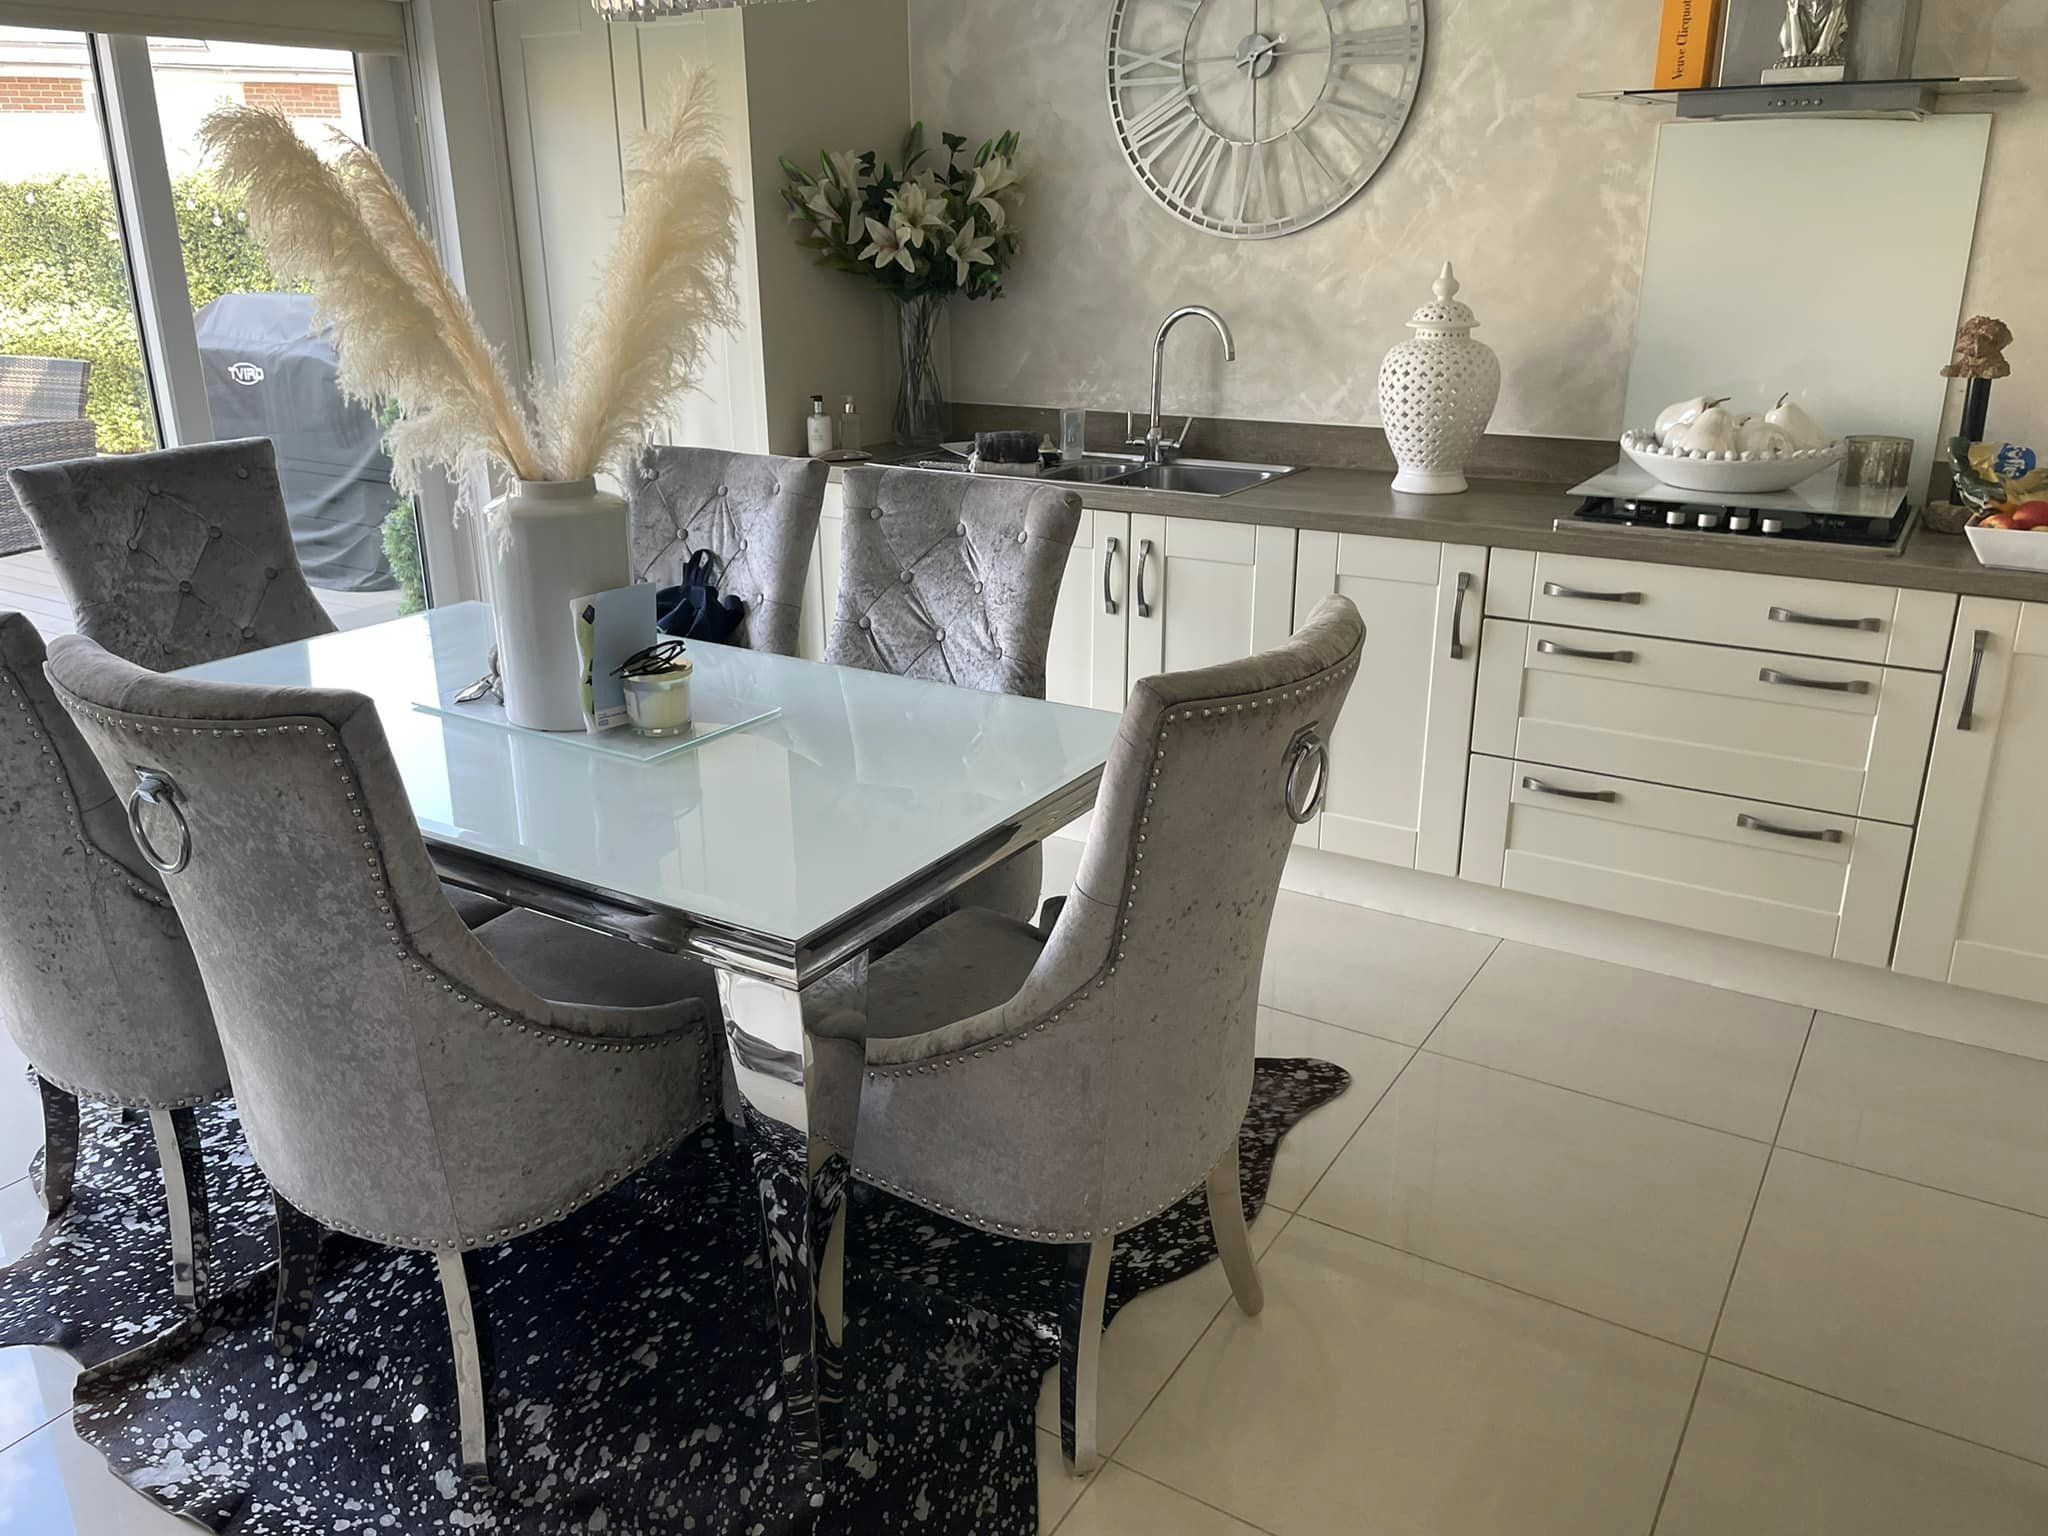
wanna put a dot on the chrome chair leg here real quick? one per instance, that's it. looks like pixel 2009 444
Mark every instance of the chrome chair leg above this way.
pixel 177 1149
pixel 1086 1291
pixel 1233 1237
pixel 60 1144
pixel 298 1273
pixel 467 1334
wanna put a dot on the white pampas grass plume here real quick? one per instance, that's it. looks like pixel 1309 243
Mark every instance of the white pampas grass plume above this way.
pixel 402 333
pixel 666 289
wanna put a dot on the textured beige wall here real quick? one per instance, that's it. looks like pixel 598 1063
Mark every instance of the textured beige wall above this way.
pixel 2009 264
pixel 1539 198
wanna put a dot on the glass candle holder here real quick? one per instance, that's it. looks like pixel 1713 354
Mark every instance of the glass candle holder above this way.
pixel 658 702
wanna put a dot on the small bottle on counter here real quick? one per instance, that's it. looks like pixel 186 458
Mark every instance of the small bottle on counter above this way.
pixel 818 429
pixel 849 428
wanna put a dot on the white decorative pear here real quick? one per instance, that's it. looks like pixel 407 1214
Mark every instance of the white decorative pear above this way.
pixel 1712 431
pixel 1762 439
pixel 1804 431
pixel 1683 414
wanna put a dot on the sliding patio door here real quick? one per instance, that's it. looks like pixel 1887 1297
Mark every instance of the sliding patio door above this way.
pixel 121 249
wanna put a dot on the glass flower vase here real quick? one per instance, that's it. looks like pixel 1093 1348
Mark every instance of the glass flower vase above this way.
pixel 921 415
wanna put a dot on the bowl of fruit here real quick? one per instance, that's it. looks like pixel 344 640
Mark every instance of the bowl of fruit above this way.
pixel 1700 445
pixel 2008 487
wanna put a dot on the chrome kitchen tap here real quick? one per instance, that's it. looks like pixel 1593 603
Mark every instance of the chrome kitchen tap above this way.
pixel 1158 447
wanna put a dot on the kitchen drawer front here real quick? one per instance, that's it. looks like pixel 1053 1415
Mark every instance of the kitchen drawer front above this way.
pixel 1680 856
pixel 1793 730
pixel 1881 625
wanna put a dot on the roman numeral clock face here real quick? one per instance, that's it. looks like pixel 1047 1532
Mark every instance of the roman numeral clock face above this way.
pixel 1255 118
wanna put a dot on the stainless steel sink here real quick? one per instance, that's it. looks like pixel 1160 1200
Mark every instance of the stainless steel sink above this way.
pixel 1093 470
pixel 1201 477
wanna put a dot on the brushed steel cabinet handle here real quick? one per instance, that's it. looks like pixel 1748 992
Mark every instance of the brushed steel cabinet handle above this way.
pixel 1559 589
pixel 1553 648
pixel 1750 823
pixel 1603 796
pixel 1144 559
pixel 1109 548
pixel 1820 621
pixel 1967 720
pixel 1779 679
pixel 1458 616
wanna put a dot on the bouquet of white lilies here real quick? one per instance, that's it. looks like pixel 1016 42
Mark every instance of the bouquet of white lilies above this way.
pixel 918 229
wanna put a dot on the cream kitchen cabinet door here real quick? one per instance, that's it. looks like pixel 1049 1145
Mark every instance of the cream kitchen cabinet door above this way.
pixel 1203 592
pixel 1976 909
pixel 1087 661
pixel 1397 758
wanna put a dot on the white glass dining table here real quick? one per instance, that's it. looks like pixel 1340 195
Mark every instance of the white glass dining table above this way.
pixel 779 853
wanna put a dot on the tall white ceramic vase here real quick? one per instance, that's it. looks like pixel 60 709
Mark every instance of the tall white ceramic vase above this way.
pixel 550 542
pixel 1437 393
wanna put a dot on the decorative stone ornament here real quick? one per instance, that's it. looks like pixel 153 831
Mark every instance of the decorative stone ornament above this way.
pixel 1437 393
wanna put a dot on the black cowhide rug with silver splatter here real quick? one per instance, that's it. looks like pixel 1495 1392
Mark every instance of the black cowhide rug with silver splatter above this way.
pixel 636 1386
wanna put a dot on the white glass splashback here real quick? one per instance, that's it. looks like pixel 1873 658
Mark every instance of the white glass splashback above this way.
pixel 859 784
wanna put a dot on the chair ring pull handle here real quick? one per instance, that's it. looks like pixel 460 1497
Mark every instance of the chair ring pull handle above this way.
pixel 158 788
pixel 1305 790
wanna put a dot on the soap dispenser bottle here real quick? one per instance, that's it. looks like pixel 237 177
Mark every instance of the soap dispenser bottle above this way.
pixel 818 429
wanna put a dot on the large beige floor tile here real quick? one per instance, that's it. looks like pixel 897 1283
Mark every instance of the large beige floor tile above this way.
pixel 35 1383
pixel 1715 1058
pixel 1627 1215
pixel 1955 1116
pixel 1148 1339
pixel 1058 1489
pixel 1918 1303
pixel 1380 1393
pixel 1762 1458
pixel 21 1114
pixel 1121 1503
pixel 1388 976
pixel 1307 1151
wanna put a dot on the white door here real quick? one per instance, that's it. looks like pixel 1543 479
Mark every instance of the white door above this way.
pixel 1203 593
pixel 1397 758
pixel 1979 880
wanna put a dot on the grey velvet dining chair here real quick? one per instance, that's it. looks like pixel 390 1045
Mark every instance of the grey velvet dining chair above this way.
pixel 757 515
pixel 98 986
pixel 180 557
pixel 955 579
pixel 398 1078
pixel 1065 1086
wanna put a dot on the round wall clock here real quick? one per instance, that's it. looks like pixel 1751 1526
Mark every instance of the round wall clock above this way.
pixel 1256 118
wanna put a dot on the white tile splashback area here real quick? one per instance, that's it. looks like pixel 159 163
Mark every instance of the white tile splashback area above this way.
pixel 1584 1250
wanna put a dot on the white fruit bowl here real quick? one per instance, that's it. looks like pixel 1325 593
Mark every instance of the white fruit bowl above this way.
pixel 1728 475
pixel 2010 549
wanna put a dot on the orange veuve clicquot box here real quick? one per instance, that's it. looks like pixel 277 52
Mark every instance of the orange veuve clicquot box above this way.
pixel 1685 44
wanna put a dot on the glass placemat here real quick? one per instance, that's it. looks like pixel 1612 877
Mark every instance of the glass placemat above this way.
pixel 725 717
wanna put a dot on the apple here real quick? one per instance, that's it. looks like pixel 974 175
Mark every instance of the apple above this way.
pixel 2030 515
pixel 1996 520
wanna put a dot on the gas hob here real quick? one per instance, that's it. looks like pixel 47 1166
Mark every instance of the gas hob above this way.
pixel 1819 512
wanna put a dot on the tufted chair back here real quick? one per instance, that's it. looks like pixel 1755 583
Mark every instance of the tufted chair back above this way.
pixel 1126 1057
pixel 758 515
pixel 174 558
pixel 97 983
pixel 951 578
pixel 394 1080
